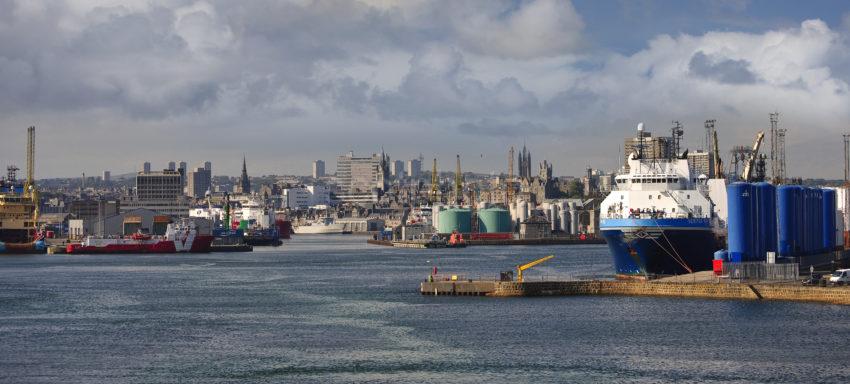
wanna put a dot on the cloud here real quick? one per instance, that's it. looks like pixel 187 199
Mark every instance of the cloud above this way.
pixel 280 72
pixel 723 70
pixel 438 85
pixel 489 127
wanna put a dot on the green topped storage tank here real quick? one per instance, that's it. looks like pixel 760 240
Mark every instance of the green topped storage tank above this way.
pixel 494 220
pixel 459 219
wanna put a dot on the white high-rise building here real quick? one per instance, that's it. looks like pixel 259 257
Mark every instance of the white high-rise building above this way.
pixel 414 168
pixel 318 169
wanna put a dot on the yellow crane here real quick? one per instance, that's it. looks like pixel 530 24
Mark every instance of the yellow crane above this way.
pixel 523 267
pixel 458 183
pixel 509 185
pixel 434 183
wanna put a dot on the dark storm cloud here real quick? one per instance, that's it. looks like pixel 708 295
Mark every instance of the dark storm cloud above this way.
pixel 722 70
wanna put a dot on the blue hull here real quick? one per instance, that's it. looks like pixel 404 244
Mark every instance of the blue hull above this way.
pixel 653 247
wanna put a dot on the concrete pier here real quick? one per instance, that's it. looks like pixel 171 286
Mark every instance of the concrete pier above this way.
pixel 728 291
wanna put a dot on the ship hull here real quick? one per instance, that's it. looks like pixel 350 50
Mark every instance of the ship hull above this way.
pixel 201 244
pixel 648 248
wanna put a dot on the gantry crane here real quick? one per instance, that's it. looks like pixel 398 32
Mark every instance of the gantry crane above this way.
pixel 435 180
pixel 523 267
pixel 458 183
pixel 749 165
pixel 509 185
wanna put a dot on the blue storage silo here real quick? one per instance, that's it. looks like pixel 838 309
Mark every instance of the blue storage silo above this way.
pixel 787 221
pixel 828 219
pixel 740 221
pixel 818 211
pixel 809 203
pixel 764 222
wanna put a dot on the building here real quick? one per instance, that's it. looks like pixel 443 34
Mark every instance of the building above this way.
pixel 146 167
pixel 164 185
pixel 318 169
pixel 651 147
pixel 397 169
pixel 525 164
pixel 701 163
pixel 361 175
pixel 199 181
pixel 107 176
pixel 414 169
pixel 244 180
pixel 303 197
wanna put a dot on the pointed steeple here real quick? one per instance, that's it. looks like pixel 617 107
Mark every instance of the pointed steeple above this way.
pixel 244 181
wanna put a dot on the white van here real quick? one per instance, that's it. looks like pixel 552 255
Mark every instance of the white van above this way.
pixel 840 277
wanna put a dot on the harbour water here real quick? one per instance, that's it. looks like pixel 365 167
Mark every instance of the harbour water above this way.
pixel 333 309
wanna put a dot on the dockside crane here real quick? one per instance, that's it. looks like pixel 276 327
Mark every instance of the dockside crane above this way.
pixel 435 180
pixel 509 184
pixel 29 185
pixel 523 267
pixel 718 163
pixel 458 183
pixel 749 165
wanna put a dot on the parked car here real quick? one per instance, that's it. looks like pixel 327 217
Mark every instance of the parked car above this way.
pixel 840 277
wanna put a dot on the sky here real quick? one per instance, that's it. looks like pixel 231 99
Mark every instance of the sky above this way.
pixel 111 84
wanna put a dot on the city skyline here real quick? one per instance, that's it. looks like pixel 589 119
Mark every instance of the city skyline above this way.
pixel 119 83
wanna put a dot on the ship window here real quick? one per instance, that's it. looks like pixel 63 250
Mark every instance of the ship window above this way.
pixel 687 196
pixel 659 197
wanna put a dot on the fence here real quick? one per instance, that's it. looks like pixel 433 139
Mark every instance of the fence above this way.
pixel 758 271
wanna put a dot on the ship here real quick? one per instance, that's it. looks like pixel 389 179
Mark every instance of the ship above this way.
pixel 659 219
pixel 180 237
pixel 324 226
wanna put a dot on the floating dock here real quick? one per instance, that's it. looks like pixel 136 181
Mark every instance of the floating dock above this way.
pixel 726 291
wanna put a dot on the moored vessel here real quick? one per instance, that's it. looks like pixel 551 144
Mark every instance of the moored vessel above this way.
pixel 659 220
pixel 180 237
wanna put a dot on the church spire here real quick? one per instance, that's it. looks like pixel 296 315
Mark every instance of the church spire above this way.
pixel 244 181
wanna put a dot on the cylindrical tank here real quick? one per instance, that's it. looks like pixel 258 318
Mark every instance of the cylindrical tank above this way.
pixel 522 211
pixel 553 213
pixel 766 238
pixel 787 220
pixel 828 217
pixel 573 219
pixel 740 221
pixel 809 220
pixel 483 205
pixel 564 216
pixel 494 220
pixel 455 219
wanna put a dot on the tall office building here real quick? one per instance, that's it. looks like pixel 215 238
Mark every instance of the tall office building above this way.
pixel 361 177
pixel 199 181
pixel 414 169
pixel 164 185
pixel 172 166
pixel 318 169
pixel 659 147
pixel 397 169
pixel 146 167
pixel 107 176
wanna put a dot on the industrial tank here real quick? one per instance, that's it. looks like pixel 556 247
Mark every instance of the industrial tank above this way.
pixel 765 220
pixel 522 210
pixel 459 219
pixel 565 216
pixel 740 221
pixel 494 220
pixel 828 219
pixel 553 214
pixel 788 220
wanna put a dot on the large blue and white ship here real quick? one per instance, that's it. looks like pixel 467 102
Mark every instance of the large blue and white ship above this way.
pixel 660 220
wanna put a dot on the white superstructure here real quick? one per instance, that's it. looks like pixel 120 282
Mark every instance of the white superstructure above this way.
pixel 657 188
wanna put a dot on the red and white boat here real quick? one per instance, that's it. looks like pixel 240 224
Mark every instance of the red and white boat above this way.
pixel 179 237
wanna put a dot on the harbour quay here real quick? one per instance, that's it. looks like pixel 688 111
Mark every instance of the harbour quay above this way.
pixel 699 290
